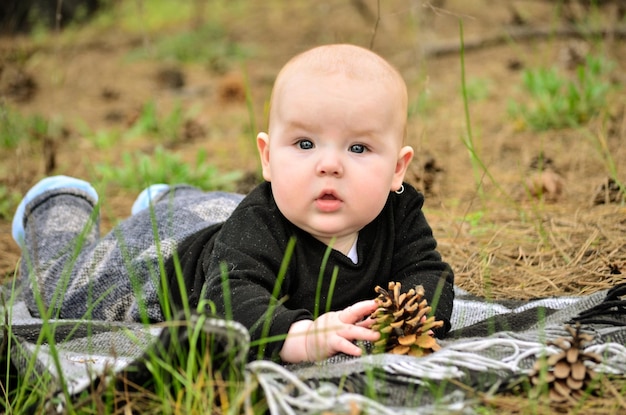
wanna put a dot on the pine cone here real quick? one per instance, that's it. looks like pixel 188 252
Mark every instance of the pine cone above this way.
pixel 609 192
pixel 565 373
pixel 403 321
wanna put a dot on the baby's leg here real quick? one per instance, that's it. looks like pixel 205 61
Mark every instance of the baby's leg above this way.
pixel 53 223
pixel 121 277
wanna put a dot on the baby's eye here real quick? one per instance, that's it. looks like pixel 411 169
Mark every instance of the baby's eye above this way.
pixel 358 148
pixel 305 144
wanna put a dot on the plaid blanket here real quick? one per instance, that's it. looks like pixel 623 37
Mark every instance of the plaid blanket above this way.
pixel 491 343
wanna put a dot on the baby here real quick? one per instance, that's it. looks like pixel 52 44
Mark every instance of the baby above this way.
pixel 297 260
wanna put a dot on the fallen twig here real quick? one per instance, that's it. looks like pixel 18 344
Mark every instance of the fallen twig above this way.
pixel 520 34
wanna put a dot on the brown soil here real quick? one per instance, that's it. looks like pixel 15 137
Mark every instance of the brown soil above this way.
pixel 500 242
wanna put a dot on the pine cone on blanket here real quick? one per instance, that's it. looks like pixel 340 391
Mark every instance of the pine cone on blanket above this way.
pixel 403 321
pixel 565 373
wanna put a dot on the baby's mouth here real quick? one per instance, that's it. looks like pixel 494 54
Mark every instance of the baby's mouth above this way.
pixel 328 202
pixel 328 195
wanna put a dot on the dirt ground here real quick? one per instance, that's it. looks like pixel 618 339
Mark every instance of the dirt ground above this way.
pixel 499 242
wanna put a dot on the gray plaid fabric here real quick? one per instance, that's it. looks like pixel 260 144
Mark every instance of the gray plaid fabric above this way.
pixel 382 384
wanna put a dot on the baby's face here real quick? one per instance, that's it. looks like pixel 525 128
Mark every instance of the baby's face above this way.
pixel 334 153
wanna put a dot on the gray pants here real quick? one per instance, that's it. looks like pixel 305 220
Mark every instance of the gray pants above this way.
pixel 68 270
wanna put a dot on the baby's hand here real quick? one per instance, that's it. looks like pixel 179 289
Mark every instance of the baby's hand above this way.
pixel 330 333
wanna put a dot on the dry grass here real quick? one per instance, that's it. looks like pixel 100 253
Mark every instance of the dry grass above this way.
pixel 610 401
pixel 554 253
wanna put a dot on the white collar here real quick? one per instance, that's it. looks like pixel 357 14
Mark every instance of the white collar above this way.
pixel 352 254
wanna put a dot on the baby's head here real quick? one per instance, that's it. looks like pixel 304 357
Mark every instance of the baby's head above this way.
pixel 334 148
pixel 340 60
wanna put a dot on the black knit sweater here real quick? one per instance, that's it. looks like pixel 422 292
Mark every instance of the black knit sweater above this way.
pixel 250 248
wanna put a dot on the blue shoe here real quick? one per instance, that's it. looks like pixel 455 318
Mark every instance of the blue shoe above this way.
pixel 146 197
pixel 49 183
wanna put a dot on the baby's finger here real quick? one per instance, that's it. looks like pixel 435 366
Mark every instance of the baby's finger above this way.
pixel 368 323
pixel 345 346
pixel 354 332
pixel 357 311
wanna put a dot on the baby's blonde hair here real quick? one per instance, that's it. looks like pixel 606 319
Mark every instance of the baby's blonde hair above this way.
pixel 350 60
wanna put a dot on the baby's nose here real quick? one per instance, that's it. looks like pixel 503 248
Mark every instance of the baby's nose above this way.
pixel 330 164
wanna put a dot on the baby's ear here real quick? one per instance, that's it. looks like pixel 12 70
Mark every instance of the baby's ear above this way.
pixel 263 144
pixel 404 159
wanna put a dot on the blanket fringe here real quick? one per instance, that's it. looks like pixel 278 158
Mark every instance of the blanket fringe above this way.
pixel 286 394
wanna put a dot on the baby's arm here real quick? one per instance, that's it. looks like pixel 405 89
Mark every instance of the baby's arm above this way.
pixel 330 333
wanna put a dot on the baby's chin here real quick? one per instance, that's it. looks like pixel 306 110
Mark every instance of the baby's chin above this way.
pixel 336 238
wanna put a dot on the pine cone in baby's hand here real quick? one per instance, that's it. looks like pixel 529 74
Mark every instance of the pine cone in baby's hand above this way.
pixel 403 321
